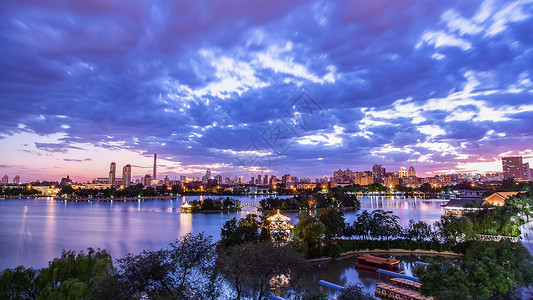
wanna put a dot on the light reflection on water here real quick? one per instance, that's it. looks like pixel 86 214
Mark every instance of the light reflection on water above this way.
pixel 34 231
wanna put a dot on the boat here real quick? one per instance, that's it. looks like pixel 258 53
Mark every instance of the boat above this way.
pixel 372 263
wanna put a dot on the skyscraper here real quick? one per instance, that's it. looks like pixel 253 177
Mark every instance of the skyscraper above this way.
pixel 513 167
pixel 155 166
pixel 126 175
pixel 112 173
pixel 378 171
pixel 5 179
pixel 16 180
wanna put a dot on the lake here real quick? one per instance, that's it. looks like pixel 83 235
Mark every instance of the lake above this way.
pixel 34 231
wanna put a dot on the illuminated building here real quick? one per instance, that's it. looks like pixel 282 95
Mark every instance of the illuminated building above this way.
pixel 16 180
pixel 112 173
pixel 411 172
pixel 403 172
pixel 5 179
pixel 513 167
pixel 126 175
pixel 279 227
pixel 378 172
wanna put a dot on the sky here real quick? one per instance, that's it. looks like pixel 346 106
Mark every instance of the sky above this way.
pixel 255 87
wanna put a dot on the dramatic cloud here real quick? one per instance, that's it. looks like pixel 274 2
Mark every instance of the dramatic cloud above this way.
pixel 281 87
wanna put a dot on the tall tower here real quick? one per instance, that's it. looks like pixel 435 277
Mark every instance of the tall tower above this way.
pixel 126 175
pixel 155 166
pixel 112 173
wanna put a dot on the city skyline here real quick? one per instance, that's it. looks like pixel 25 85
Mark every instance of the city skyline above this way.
pixel 444 86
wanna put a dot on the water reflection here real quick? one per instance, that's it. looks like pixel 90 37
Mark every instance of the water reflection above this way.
pixel 33 231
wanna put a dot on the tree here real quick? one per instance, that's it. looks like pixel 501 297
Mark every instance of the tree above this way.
pixel 361 224
pixel 333 220
pixel 72 275
pixel 307 236
pixel 489 270
pixel 259 267
pixel 522 201
pixel 185 270
pixel 18 283
pixel 240 231
pixel 384 224
pixel 354 292
pixel 454 229
pixel 419 231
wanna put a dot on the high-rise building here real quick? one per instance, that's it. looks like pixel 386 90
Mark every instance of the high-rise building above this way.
pixel 126 175
pixel 513 167
pixel 527 172
pixel 286 178
pixel 112 173
pixel 5 179
pixel 155 166
pixel 403 172
pixel 259 179
pixel 378 171
pixel 16 180
pixel 218 179
pixel 411 172
pixel 241 180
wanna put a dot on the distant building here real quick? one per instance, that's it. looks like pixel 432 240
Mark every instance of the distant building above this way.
pixel 112 173
pixel 16 180
pixel 5 179
pixel 147 180
pixel 403 172
pixel 155 166
pixel 218 179
pixel 126 175
pixel 391 181
pixel 411 172
pixel 527 172
pixel 286 178
pixel 513 167
pixel 378 172
pixel 343 176
pixel 65 181
pixel 166 181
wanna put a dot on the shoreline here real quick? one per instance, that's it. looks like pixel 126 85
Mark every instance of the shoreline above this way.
pixel 399 252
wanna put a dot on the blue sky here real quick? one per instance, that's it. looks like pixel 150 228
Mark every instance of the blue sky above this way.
pixel 440 85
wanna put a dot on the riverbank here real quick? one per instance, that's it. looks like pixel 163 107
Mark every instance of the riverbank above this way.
pixel 119 199
pixel 396 252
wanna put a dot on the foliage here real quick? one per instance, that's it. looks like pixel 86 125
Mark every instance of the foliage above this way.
pixel 247 229
pixel 419 231
pixel 523 202
pixel 454 229
pixel 18 191
pixel 489 269
pixel 209 204
pixel 378 224
pixel 18 283
pixel 72 275
pixel 354 292
pixel 185 270
pixel 334 221
pixel 495 220
pixel 253 269
pixel 308 234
